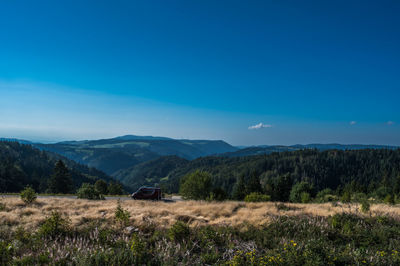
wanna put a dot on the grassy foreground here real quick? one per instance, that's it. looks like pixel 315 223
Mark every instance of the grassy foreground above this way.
pixel 82 232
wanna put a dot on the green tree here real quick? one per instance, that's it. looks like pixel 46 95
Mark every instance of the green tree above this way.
pixel 253 184
pixel 239 190
pixel 115 188
pixel 88 191
pixel 60 181
pixel 282 188
pixel 101 186
pixel 298 189
pixel 196 185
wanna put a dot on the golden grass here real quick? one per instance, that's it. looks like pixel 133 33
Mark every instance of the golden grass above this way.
pixel 163 214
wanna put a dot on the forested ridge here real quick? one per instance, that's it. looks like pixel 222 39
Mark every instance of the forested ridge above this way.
pixel 364 171
pixel 22 165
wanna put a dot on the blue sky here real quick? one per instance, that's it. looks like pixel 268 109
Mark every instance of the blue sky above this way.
pixel 308 71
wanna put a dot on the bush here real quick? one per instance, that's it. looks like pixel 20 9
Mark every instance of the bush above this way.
pixel 179 231
pixel 101 186
pixel 138 248
pixel 88 191
pixel 305 197
pixel 196 185
pixel 218 194
pixel 257 197
pixel 115 188
pixel 298 189
pixel 6 253
pixel 28 195
pixel 325 195
pixel 389 199
pixel 346 197
pixel 365 205
pixel 54 225
pixel 122 216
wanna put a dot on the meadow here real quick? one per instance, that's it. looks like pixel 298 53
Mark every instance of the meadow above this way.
pixel 54 231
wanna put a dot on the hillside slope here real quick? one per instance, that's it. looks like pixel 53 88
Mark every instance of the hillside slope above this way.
pixel 260 150
pixel 22 165
pixel 114 155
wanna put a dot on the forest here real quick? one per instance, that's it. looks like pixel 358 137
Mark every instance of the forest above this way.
pixel 374 172
pixel 371 172
pixel 22 165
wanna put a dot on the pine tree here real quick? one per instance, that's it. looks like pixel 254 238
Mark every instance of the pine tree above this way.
pixel 239 191
pixel 60 181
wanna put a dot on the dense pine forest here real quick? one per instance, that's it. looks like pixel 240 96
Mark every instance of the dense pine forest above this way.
pixel 371 171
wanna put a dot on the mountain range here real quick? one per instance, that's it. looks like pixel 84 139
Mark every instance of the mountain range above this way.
pixel 139 160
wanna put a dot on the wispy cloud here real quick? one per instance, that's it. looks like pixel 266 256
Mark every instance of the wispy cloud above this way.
pixel 259 126
pixel 352 123
pixel 389 123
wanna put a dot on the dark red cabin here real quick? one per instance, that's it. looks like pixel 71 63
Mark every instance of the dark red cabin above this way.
pixel 150 193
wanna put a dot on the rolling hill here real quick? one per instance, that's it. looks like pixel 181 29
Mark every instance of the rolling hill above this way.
pixel 22 165
pixel 265 149
pixel 116 154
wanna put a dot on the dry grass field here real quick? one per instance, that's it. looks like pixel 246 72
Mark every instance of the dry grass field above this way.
pixel 162 214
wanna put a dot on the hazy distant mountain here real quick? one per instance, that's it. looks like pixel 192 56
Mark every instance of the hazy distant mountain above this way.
pixel 113 155
pixel 265 149
pixel 16 140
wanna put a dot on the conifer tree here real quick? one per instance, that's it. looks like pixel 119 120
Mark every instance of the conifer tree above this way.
pixel 60 181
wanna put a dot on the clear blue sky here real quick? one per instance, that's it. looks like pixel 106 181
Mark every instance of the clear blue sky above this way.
pixel 308 71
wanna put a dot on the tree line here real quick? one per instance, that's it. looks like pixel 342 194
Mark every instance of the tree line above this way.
pixel 299 175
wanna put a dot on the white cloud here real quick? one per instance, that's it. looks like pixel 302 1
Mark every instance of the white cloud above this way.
pixel 389 123
pixel 352 123
pixel 259 126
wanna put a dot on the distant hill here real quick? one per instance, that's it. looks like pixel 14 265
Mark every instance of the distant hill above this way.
pixel 259 150
pixel 16 140
pixel 22 165
pixel 113 155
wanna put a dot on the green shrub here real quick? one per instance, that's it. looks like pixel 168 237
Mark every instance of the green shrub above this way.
pixel 389 199
pixel 54 225
pixel 179 231
pixel 365 206
pixel 346 197
pixel 28 195
pixel 218 194
pixel 196 185
pixel 88 191
pixel 6 253
pixel 209 236
pixel 359 197
pixel 138 248
pixel 257 197
pixel 115 188
pixel 325 195
pixel 121 215
pixel 305 197
pixel 101 186
pixel 298 189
